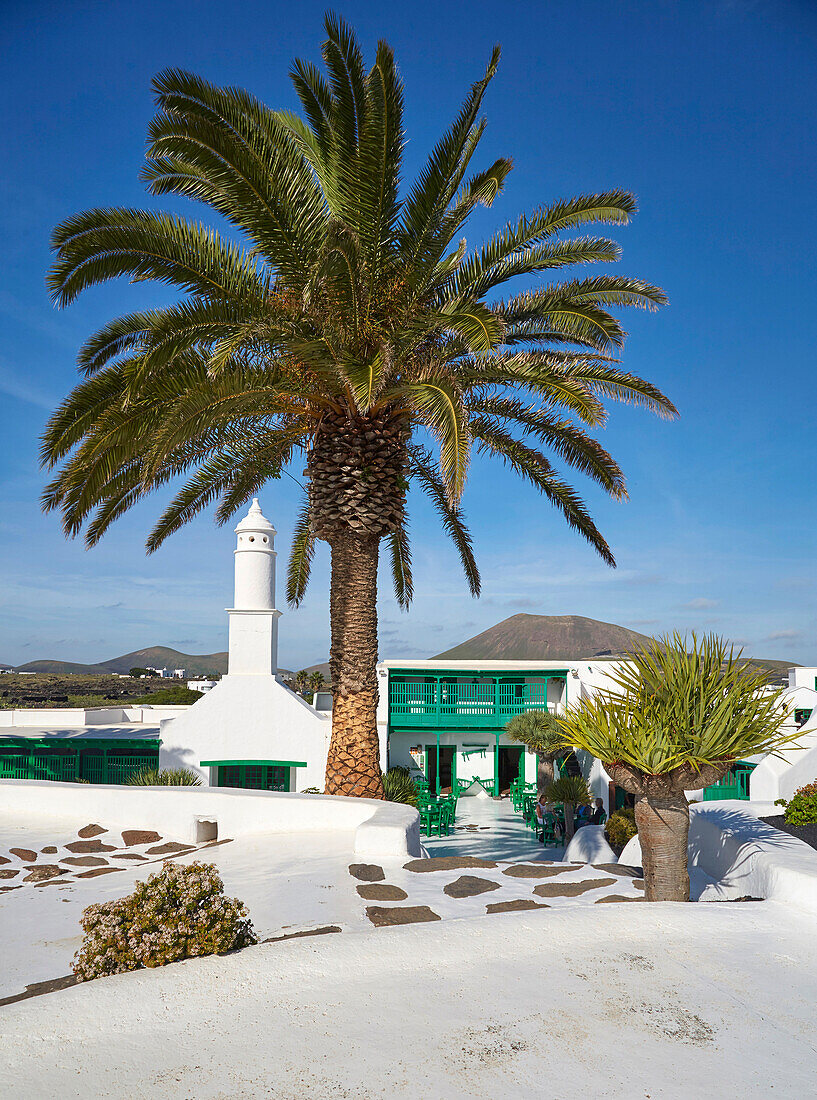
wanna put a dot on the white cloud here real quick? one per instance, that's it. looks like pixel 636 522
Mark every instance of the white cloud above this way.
pixel 700 603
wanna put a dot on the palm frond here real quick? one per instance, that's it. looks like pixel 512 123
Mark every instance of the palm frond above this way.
pixel 533 466
pixel 401 566
pixel 300 558
pixel 424 469
pixel 100 245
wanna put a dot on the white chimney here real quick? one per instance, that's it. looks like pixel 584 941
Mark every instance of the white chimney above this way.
pixel 254 619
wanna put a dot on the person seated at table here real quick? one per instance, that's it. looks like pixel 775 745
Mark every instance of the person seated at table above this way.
pixel 598 815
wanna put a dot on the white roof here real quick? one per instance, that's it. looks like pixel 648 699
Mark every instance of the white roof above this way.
pixel 133 731
pixel 484 666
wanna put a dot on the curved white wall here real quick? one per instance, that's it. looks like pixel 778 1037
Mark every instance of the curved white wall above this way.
pixel 380 828
pixel 780 776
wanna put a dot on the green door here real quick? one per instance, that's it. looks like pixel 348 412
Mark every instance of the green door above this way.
pixel 447 768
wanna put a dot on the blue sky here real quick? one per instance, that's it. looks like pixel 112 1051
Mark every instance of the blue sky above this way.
pixel 705 110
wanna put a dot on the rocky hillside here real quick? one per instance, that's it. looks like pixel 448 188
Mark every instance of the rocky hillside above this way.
pixel 547 637
pixel 157 656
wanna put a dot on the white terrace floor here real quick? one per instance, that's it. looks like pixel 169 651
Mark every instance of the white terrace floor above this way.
pixel 289 883
pixel 648 1002
pixel 491 830
pixel 652 1002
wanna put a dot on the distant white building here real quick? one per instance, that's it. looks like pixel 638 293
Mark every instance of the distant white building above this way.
pixel 167 673
pixel 201 685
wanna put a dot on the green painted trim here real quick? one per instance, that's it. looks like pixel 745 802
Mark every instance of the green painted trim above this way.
pixel 245 763
pixel 502 674
pixel 79 743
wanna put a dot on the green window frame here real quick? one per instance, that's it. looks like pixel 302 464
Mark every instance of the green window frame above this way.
pixel 254 775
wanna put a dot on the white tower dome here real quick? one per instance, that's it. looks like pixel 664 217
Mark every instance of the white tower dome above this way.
pixel 255 562
pixel 254 619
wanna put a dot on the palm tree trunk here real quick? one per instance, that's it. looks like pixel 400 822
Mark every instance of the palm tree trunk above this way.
pixel 544 773
pixel 353 763
pixel 663 829
pixel 569 826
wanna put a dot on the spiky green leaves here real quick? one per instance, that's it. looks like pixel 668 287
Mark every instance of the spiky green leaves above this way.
pixel 539 730
pixel 676 703
pixel 569 788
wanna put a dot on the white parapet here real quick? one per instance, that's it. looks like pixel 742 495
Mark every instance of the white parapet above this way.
pixel 380 828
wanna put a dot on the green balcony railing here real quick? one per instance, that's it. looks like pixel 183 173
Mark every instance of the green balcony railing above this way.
pixel 487 702
pixel 91 760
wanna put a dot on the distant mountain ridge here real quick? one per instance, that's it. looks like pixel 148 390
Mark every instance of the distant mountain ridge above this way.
pixel 547 638
pixel 526 637
pixel 157 656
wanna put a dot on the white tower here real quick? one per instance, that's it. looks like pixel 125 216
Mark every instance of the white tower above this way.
pixel 254 619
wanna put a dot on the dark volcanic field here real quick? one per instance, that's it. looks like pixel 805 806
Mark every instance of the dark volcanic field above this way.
pixel 44 689
pixel 806 833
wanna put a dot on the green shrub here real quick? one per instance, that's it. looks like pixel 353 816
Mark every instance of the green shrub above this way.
pixel 802 807
pixel 172 696
pixel 166 777
pixel 620 828
pixel 179 913
pixel 398 786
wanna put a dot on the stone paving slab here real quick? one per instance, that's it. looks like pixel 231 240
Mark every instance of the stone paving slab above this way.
pixel 383 916
pixel 469 886
pixel 570 889
pixel 381 891
pixel 367 872
pixel 446 863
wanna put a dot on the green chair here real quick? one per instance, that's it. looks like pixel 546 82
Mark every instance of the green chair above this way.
pixel 548 832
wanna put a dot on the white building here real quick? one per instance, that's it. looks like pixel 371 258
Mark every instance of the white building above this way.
pixel 446 720
pixel 201 685
pixel 249 730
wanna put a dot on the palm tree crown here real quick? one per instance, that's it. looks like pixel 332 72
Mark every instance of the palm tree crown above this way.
pixel 346 321
pixel 539 730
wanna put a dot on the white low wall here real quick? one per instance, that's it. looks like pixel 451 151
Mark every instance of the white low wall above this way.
pixel 744 856
pixel 380 828
pixel 747 857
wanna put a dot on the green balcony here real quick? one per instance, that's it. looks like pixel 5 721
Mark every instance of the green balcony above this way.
pixel 462 701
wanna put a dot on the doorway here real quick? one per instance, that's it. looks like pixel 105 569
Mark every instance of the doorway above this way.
pixel 510 766
pixel 447 770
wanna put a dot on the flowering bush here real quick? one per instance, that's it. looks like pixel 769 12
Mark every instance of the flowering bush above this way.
pixel 179 913
pixel 802 807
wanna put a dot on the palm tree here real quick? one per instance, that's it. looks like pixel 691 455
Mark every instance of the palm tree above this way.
pixel 541 732
pixel 301 680
pixel 316 680
pixel 676 721
pixel 346 322
pixel 571 791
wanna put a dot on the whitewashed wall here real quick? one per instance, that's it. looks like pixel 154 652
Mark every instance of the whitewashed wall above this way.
pixel 249 718
pixel 375 828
